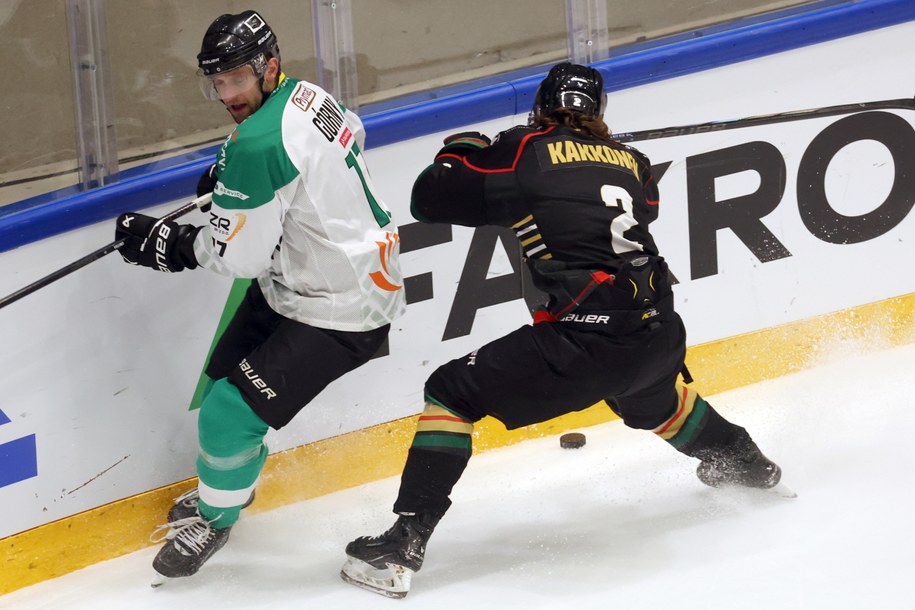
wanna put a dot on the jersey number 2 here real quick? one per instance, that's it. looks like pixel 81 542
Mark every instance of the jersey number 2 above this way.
pixel 617 197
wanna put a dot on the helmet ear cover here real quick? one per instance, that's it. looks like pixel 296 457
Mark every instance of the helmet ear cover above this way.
pixel 576 87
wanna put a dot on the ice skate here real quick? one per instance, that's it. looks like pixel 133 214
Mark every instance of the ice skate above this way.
pixel 190 542
pixel 186 505
pixel 385 564
pixel 752 469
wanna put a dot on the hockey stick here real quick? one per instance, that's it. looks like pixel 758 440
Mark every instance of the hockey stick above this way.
pixel 94 256
pixel 764 119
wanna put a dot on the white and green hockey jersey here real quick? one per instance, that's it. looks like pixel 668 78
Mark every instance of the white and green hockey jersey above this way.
pixel 294 207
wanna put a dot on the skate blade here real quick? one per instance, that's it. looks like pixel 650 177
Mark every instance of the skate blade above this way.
pixel 394 581
pixel 782 490
pixel 158 580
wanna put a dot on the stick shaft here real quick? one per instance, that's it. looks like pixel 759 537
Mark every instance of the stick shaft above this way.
pixel 765 119
pixel 94 256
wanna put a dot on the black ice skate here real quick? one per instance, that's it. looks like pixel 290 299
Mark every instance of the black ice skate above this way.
pixel 385 564
pixel 186 505
pixel 752 469
pixel 190 542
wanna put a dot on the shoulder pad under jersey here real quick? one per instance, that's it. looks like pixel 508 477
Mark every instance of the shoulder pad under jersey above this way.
pixel 517 131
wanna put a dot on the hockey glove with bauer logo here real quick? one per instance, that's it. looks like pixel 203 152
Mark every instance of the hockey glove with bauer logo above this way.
pixel 462 144
pixel 162 245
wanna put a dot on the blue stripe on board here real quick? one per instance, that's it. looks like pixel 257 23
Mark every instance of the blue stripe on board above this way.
pixel 140 171
pixel 26 224
pixel 40 217
pixel 18 460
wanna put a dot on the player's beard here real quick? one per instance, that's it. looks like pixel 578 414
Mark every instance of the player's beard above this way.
pixel 240 112
pixel 244 108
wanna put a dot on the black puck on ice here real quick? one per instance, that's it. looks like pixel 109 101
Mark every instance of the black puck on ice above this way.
pixel 572 440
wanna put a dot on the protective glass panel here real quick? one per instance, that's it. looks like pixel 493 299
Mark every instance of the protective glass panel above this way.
pixel 407 46
pixel 630 22
pixel 401 46
pixel 37 129
pixel 154 44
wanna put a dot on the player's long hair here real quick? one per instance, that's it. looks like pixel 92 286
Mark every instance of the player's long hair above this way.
pixel 590 125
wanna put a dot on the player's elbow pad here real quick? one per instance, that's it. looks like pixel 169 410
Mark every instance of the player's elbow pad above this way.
pixel 440 196
pixel 423 196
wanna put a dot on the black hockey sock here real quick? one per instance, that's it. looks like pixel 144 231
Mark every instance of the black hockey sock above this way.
pixel 697 430
pixel 427 480
pixel 441 449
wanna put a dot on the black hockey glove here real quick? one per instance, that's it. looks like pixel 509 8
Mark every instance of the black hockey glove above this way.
pixel 206 184
pixel 464 143
pixel 162 245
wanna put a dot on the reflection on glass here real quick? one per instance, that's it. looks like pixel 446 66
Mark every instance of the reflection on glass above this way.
pixel 401 47
pixel 37 101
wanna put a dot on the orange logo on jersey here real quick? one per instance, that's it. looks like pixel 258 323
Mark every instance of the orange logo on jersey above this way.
pixel 242 219
pixel 223 227
pixel 385 251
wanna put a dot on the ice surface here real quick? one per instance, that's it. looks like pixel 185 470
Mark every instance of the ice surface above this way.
pixel 620 523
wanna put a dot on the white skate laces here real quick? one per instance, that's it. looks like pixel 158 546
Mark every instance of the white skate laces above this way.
pixel 189 543
pixel 191 532
pixel 189 498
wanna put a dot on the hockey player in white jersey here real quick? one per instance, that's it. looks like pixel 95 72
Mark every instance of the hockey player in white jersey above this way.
pixel 293 208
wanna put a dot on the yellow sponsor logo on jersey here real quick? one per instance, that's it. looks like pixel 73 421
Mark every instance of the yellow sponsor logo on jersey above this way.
pixel 570 151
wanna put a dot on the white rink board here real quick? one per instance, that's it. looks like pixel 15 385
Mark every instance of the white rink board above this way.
pixel 102 365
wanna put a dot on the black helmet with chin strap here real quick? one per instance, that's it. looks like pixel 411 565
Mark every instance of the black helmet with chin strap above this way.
pixel 578 88
pixel 235 40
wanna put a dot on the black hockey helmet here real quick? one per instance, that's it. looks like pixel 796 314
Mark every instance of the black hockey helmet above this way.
pixel 571 86
pixel 235 40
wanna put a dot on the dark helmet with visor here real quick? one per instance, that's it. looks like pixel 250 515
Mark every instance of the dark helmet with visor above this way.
pixel 571 86
pixel 233 41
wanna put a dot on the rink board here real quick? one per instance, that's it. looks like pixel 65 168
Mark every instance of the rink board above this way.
pixel 770 231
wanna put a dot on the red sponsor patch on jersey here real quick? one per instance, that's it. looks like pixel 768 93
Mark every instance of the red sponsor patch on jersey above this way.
pixel 345 137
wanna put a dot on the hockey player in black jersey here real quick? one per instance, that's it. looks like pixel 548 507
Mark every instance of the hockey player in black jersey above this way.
pixel 580 204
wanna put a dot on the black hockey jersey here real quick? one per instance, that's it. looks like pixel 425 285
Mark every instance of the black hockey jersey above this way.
pixel 579 205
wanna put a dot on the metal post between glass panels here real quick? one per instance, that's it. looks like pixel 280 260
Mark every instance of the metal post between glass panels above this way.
pixel 96 139
pixel 586 26
pixel 334 50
